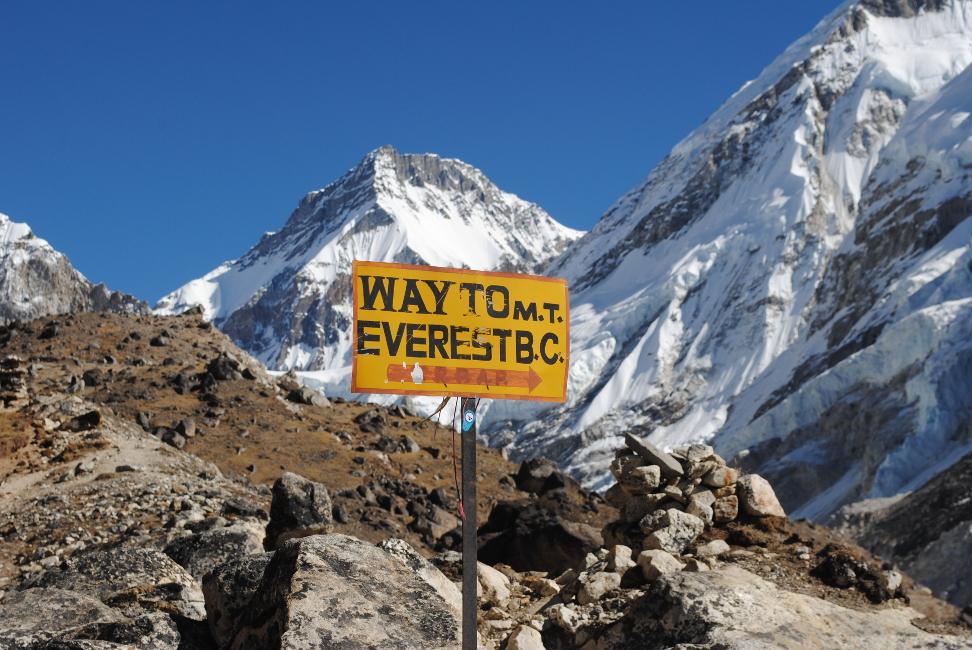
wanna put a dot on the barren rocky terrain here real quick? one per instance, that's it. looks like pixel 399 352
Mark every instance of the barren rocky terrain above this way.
pixel 159 489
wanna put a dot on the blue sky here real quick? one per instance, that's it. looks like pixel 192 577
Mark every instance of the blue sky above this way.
pixel 149 141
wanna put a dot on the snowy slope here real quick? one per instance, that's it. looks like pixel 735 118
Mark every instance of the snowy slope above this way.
pixel 36 280
pixel 739 292
pixel 288 299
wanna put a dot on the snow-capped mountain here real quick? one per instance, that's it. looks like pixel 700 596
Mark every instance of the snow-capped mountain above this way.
pixel 792 281
pixel 288 299
pixel 36 280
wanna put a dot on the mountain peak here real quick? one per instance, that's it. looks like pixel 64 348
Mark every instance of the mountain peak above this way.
pixel 287 300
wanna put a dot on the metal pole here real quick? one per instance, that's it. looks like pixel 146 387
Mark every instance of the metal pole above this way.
pixel 469 527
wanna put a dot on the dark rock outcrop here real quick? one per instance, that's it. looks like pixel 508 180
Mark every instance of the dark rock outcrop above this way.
pixel 299 507
pixel 533 537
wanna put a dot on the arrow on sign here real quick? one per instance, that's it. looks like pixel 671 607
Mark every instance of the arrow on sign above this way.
pixel 466 376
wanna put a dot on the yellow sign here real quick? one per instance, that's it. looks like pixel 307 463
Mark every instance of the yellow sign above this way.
pixel 426 330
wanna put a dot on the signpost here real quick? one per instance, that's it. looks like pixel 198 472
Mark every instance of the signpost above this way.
pixel 423 330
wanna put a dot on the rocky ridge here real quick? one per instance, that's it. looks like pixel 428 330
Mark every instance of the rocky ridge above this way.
pixel 36 280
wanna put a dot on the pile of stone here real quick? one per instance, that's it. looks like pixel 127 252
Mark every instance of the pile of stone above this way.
pixel 13 390
pixel 667 500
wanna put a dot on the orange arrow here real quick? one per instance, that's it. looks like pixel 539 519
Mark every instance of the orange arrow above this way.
pixel 466 376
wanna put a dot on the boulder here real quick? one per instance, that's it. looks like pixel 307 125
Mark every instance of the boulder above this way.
pixel 539 475
pixel 733 608
pixel 224 367
pixel 403 552
pixel 133 580
pixel 715 548
pixel 308 397
pixel 335 591
pixel 299 507
pixel 532 537
pixel 228 590
pixel 670 468
pixel 435 522
pixel 596 585
pixel 619 558
pixel 525 638
pixel 655 562
pixel 202 552
pixel 757 497
pixel 671 530
pixel 641 480
pixel 725 509
pixel 720 477
pixel 29 618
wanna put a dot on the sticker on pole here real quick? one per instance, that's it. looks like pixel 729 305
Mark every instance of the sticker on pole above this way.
pixel 427 330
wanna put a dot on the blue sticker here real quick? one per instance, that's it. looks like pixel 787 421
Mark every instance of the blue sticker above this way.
pixel 468 420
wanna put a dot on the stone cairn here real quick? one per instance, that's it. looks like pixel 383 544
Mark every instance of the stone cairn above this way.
pixel 13 391
pixel 667 500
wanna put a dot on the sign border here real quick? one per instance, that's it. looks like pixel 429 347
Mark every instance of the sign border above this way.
pixel 445 393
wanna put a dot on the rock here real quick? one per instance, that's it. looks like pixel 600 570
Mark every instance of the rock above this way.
pixel 619 558
pixel 670 468
pixel 131 579
pixel 539 475
pixel 49 331
pixel 83 422
pixel 757 497
pixel 842 568
pixel 679 529
pixel 597 585
pixel 403 552
pixel 525 638
pixel 29 618
pixel 186 427
pixel 733 608
pixel 541 586
pixel 201 553
pixel 149 631
pixel 696 565
pixel 158 341
pixel 624 461
pixel 615 496
pixel 335 591
pixel 299 507
pixel 533 537
pixel 494 585
pixel 144 420
pixel 371 421
pixel 641 480
pixel 715 548
pixel 224 367
pixel 700 509
pixel 228 590
pixel 174 438
pixel 308 397
pixel 93 377
pixel 720 477
pixel 697 453
pixel 640 505
pixel 436 522
pixel 725 509
pixel 654 563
